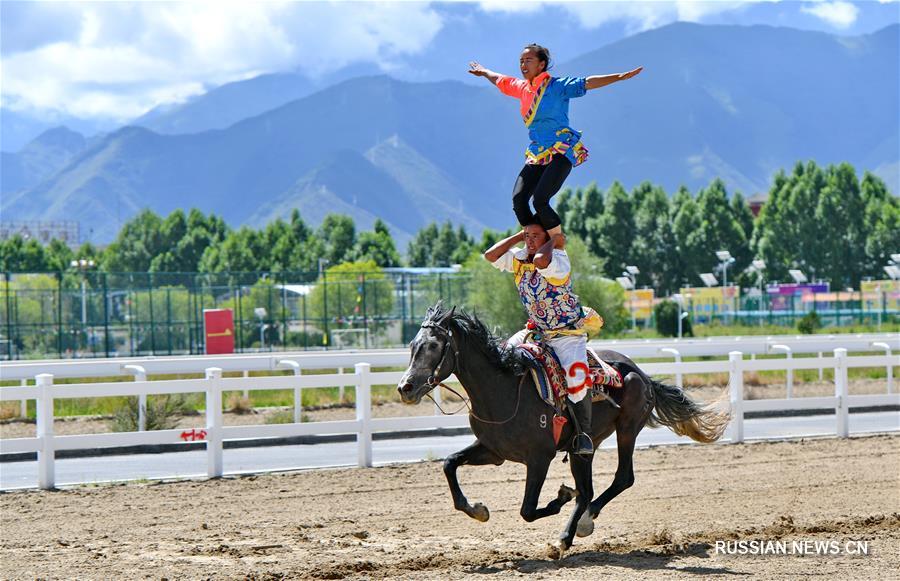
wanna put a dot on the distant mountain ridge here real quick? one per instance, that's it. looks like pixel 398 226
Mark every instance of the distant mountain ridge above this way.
pixel 713 101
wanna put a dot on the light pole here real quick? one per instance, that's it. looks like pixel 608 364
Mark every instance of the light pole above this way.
pixel 323 275
pixel 260 312
pixel 83 265
pixel 759 266
pixel 682 314
pixel 631 273
pixel 725 258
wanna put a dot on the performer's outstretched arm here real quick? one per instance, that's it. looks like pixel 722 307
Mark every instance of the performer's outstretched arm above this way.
pixel 479 71
pixel 597 81
pixel 494 253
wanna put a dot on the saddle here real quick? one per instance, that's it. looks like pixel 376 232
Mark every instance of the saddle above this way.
pixel 550 377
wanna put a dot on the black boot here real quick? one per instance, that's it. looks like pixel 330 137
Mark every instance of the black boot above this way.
pixel 582 443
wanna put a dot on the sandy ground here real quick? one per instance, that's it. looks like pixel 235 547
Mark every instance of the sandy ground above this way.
pixel 16 428
pixel 398 521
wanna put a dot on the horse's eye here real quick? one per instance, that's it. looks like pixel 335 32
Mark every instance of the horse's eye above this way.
pixel 432 345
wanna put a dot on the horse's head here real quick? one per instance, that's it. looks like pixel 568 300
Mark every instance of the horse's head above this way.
pixel 432 360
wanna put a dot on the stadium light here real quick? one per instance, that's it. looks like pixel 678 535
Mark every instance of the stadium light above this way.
pixel 895 258
pixel 725 258
pixel 709 279
pixel 892 271
pixel 625 282
pixel 632 269
pixel 797 275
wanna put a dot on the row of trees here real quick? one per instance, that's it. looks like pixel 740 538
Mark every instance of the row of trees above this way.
pixel 824 221
pixel 195 242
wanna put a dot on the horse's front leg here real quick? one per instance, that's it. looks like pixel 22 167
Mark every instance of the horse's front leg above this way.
pixel 474 455
pixel 581 471
pixel 537 474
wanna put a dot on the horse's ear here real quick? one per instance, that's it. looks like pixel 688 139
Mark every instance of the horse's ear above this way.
pixel 449 314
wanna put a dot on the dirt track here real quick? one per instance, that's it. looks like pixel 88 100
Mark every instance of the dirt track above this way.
pixel 398 522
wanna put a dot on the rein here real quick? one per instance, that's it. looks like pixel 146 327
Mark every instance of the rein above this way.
pixel 472 413
pixel 430 381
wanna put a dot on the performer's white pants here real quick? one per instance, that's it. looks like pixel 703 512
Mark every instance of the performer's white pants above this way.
pixel 572 353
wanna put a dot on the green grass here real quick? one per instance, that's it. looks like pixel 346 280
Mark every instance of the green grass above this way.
pixel 718 330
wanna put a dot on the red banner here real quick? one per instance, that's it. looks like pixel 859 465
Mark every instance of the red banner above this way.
pixel 218 328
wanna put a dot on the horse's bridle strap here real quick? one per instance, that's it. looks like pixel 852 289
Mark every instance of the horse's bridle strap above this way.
pixel 432 380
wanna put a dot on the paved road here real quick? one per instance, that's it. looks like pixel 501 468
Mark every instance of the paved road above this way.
pixel 278 458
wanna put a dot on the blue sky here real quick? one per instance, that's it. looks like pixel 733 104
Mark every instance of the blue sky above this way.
pixel 112 61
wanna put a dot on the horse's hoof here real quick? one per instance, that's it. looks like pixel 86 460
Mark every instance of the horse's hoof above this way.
pixel 566 494
pixel 557 549
pixel 585 524
pixel 480 512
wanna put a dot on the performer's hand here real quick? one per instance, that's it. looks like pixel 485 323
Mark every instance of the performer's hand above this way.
pixel 559 241
pixel 629 74
pixel 477 70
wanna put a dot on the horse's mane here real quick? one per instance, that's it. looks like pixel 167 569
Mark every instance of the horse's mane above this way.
pixel 472 329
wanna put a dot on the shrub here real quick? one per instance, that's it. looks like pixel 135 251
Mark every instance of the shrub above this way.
pixel 161 414
pixel 809 323
pixel 666 315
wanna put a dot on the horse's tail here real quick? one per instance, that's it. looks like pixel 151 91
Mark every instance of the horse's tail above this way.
pixel 674 409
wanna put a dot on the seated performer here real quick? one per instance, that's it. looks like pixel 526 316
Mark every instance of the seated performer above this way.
pixel 543 277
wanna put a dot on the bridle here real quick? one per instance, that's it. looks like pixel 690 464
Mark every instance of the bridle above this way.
pixel 432 382
pixel 448 334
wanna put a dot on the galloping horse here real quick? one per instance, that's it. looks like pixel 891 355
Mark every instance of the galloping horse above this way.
pixel 510 420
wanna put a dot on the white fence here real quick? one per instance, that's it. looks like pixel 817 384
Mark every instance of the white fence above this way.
pixel 636 349
pixel 45 392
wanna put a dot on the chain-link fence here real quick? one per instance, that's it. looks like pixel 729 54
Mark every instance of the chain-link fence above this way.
pixel 96 314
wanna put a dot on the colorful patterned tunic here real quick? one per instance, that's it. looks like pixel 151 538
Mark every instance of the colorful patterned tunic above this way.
pixel 545 292
pixel 545 109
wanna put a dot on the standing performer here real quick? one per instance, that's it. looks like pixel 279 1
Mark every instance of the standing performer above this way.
pixel 543 277
pixel 555 147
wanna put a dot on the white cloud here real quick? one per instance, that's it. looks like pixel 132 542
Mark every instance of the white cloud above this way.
pixel 838 14
pixel 636 16
pixel 126 58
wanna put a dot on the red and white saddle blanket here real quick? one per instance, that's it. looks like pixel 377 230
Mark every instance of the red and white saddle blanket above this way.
pixel 551 379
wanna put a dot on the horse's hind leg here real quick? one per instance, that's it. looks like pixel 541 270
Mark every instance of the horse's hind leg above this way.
pixel 627 428
pixel 537 474
pixel 474 455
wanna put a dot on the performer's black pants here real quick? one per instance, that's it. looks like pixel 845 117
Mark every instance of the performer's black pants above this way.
pixel 540 182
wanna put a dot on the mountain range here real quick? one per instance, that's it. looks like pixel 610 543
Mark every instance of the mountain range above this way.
pixel 713 101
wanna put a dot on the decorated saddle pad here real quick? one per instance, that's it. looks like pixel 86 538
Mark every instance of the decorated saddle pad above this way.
pixel 550 377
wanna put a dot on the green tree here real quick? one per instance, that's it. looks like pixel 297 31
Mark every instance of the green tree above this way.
pixel 20 255
pixel 612 234
pixel 354 289
pixel 241 251
pixel 338 233
pixel 138 243
pixel 653 244
pixel 377 246
pixel 421 247
pixel 841 214
pixel 883 216
pixel 594 290
pixel 720 230
pixel 58 255
pixel 685 228
pixel 492 295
